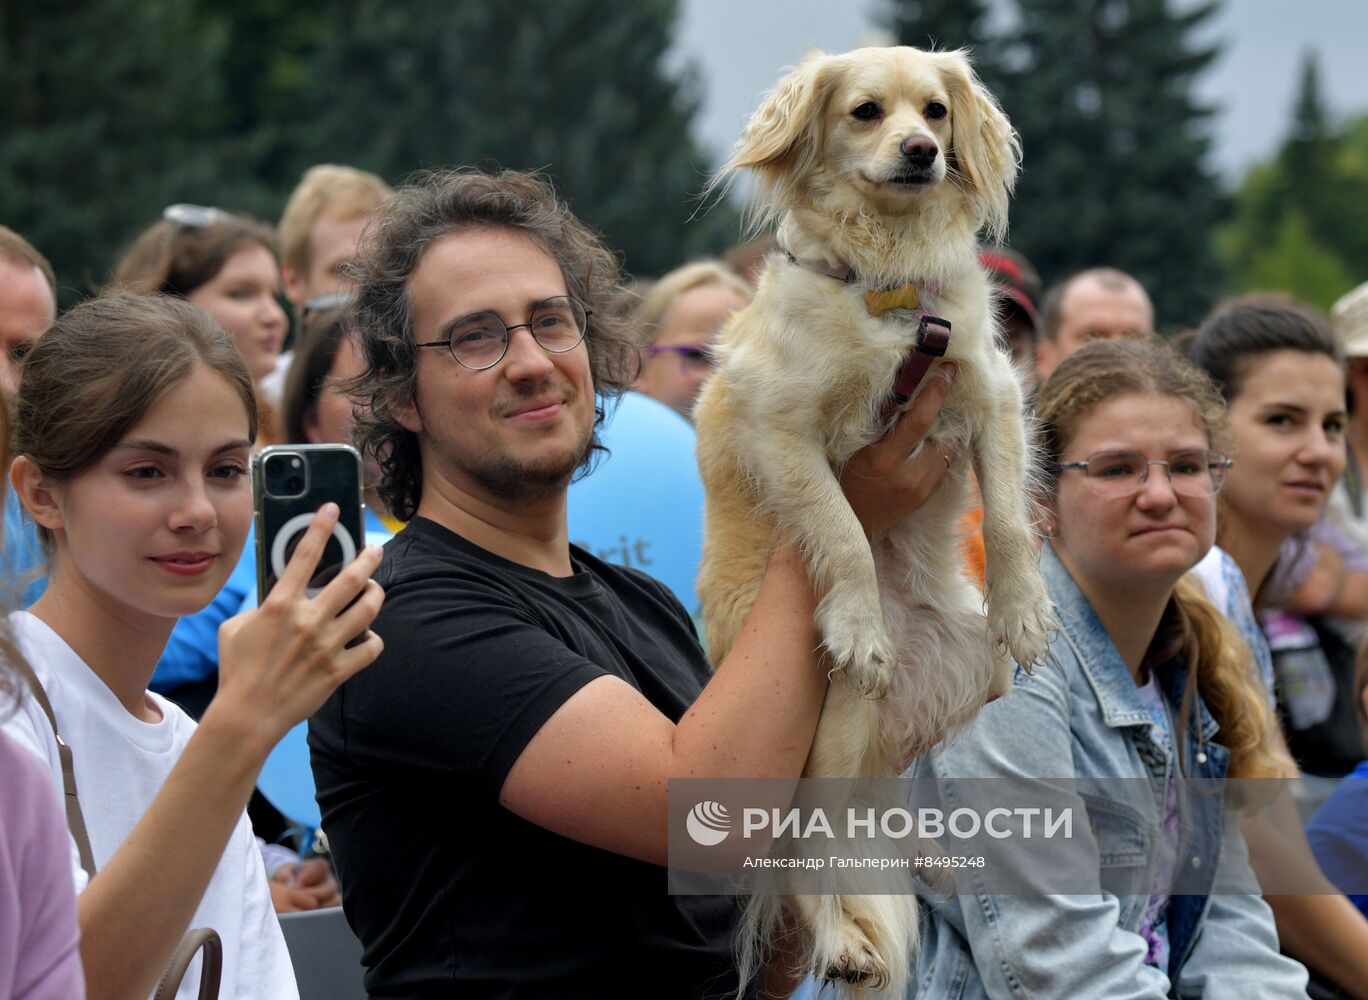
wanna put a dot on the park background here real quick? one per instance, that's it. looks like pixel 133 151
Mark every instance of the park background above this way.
pixel 1206 147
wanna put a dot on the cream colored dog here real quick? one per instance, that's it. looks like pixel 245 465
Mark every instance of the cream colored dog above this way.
pixel 880 167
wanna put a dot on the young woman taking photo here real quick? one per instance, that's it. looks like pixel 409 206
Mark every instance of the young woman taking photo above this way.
pixel 226 265
pixel 135 424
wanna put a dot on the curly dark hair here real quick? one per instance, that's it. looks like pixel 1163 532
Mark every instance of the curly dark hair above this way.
pixel 434 204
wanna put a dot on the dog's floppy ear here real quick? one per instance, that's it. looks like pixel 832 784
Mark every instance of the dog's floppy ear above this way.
pixel 782 136
pixel 985 151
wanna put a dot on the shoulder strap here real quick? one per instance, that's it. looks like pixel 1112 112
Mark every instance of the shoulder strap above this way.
pixel 195 940
pixel 210 972
pixel 75 819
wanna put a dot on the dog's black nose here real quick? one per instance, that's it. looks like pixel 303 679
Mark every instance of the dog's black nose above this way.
pixel 920 150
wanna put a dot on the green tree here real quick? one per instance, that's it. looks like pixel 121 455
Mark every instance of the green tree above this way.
pixel 1292 261
pixel 1300 220
pixel 544 84
pixel 115 108
pixel 1116 146
pixel 945 24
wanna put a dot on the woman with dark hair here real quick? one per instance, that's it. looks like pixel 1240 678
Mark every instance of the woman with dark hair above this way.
pixel 1281 371
pixel 134 428
pixel 1146 696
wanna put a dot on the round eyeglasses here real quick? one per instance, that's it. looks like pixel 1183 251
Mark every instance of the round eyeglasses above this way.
pixel 695 360
pixel 1119 474
pixel 480 340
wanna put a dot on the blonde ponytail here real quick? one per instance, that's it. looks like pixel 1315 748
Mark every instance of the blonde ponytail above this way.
pixel 1220 664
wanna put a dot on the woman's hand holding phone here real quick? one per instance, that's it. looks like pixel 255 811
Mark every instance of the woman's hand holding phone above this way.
pixel 279 662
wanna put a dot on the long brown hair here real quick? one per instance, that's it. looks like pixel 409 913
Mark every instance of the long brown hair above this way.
pixel 171 258
pixel 1243 330
pixel 102 366
pixel 314 354
pixel 1219 663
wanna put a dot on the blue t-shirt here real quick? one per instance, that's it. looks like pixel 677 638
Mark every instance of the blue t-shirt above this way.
pixel 23 561
pixel 1338 834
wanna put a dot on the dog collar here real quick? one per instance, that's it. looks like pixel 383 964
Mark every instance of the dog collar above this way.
pixel 933 338
pixel 877 300
pixel 933 333
pixel 843 273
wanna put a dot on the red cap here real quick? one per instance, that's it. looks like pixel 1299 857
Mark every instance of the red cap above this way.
pixel 1013 276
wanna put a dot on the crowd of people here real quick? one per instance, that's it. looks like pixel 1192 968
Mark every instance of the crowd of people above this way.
pixel 493 756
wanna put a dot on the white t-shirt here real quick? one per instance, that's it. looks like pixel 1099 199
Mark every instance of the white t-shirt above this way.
pixel 121 765
pixel 1226 589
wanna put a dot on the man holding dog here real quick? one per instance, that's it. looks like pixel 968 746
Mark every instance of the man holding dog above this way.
pixel 494 787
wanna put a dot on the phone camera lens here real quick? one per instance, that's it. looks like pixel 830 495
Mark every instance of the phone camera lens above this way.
pixel 294 484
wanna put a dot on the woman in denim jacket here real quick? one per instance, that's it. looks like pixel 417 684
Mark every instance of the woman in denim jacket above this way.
pixel 1145 681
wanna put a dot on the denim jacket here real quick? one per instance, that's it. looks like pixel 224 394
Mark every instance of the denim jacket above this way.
pixel 1082 717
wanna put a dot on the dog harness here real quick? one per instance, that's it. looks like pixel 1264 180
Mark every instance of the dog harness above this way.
pixel 933 332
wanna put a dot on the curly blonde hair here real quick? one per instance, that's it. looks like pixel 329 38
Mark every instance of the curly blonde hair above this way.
pixel 1219 663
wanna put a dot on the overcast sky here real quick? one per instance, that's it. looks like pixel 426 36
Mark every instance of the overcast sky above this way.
pixel 741 47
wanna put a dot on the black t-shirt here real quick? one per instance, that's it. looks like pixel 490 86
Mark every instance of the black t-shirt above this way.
pixel 451 894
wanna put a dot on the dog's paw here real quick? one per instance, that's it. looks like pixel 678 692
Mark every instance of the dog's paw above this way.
pixel 866 655
pixel 1020 623
pixel 853 633
pixel 1023 635
pixel 856 962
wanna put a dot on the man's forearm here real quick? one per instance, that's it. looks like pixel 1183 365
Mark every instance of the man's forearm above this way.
pixel 757 716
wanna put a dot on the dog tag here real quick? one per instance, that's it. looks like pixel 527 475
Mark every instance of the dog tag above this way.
pixel 878 303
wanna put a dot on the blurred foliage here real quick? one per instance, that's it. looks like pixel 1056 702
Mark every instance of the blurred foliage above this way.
pixel 1288 258
pixel 945 24
pixel 116 108
pixel 1300 222
pixel 1116 145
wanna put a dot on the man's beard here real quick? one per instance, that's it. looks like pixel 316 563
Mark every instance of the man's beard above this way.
pixel 517 481
pixel 521 481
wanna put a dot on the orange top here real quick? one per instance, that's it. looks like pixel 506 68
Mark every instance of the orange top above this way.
pixel 971 541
